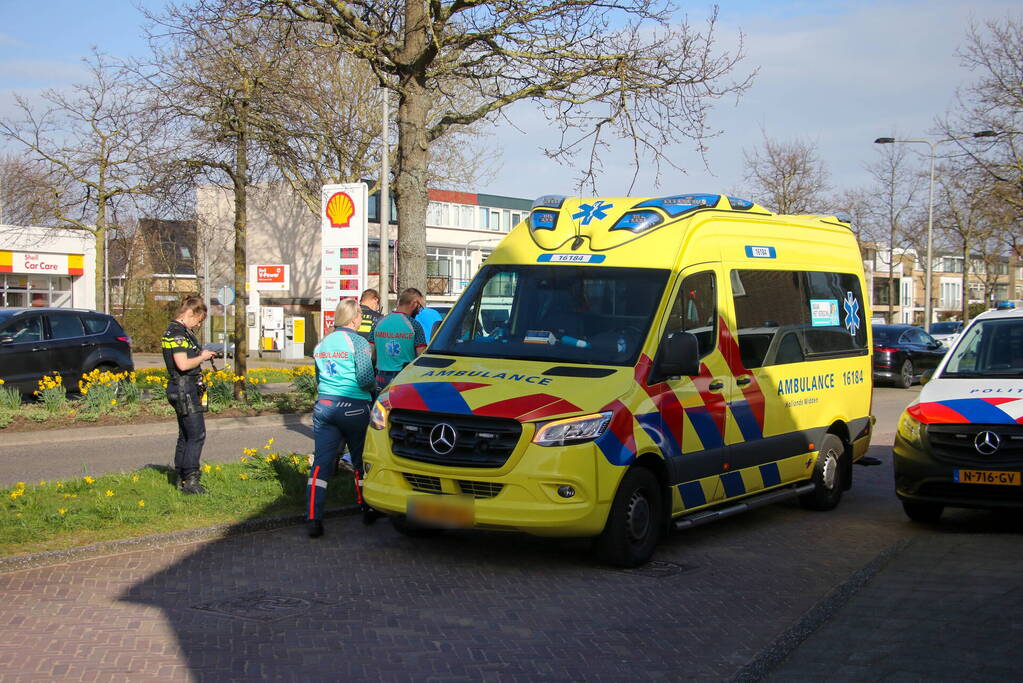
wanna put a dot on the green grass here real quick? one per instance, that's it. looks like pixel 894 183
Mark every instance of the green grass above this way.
pixel 52 515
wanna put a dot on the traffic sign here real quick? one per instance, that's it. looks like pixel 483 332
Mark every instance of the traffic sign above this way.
pixel 225 295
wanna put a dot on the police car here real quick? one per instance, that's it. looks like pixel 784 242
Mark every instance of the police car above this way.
pixel 961 443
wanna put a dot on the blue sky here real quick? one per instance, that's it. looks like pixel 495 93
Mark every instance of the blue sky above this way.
pixel 838 74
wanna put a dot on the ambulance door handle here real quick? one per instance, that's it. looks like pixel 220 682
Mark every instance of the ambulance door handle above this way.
pixel 716 385
pixel 743 381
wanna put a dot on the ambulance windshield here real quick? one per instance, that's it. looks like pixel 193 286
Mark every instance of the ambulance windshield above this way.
pixel 556 313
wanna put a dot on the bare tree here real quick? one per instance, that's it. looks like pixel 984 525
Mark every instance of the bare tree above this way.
pixel 224 80
pixel 22 197
pixel 963 217
pixel 332 126
pixel 625 68
pixel 97 147
pixel 994 101
pixel 787 177
pixel 896 185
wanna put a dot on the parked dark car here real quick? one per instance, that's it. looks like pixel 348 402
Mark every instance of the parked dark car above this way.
pixel 37 341
pixel 946 332
pixel 902 353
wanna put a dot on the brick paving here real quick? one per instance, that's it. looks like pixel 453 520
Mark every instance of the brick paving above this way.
pixel 949 606
pixel 369 604
pixel 859 593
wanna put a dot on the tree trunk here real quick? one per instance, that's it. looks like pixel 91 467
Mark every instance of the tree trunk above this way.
pixel 241 181
pixel 411 185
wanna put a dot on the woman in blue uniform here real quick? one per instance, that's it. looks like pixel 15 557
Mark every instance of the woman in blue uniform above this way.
pixel 345 380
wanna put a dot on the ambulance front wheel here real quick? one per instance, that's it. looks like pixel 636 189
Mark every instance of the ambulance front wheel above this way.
pixel 635 523
pixel 828 476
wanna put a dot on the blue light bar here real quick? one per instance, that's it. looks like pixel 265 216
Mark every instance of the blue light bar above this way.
pixel 549 201
pixel 542 219
pixel 740 204
pixel 638 221
pixel 680 204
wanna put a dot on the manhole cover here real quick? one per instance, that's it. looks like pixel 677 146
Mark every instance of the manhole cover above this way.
pixel 658 569
pixel 259 606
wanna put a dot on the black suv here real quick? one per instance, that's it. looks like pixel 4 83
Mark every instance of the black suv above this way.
pixel 36 341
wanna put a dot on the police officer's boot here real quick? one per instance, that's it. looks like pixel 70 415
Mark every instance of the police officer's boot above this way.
pixel 191 485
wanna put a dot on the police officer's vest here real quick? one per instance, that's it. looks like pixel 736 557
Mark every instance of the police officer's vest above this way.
pixel 176 338
pixel 369 318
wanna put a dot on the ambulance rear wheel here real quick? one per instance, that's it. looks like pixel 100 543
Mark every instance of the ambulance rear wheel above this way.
pixel 635 523
pixel 828 476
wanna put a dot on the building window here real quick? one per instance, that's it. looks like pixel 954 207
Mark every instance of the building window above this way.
pixel 484 218
pixel 495 220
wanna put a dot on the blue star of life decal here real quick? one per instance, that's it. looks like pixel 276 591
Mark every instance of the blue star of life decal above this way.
pixel 393 348
pixel 852 313
pixel 596 210
pixel 330 367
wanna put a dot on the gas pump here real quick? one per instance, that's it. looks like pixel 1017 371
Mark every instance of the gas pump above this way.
pixel 294 338
pixel 272 324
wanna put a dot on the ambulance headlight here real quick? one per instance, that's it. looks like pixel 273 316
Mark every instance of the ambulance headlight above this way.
pixel 381 409
pixel 572 430
pixel 909 429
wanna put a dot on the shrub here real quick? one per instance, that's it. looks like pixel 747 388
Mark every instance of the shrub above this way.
pixel 305 381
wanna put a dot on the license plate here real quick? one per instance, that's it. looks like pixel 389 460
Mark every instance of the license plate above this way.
pixel 454 512
pixel 995 477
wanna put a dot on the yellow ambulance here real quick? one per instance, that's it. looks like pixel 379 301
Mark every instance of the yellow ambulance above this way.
pixel 622 366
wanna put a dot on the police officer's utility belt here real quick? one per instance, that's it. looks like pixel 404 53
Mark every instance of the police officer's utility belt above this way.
pixel 187 394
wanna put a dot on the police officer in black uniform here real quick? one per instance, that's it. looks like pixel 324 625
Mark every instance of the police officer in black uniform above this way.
pixel 369 302
pixel 185 390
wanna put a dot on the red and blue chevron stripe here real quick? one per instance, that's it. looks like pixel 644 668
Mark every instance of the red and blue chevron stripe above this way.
pixel 969 411
pixel 447 397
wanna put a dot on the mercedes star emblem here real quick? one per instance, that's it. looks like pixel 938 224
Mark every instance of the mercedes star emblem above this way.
pixel 987 443
pixel 442 438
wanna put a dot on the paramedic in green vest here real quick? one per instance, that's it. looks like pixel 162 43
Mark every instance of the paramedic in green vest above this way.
pixel 397 338
pixel 370 304
pixel 344 380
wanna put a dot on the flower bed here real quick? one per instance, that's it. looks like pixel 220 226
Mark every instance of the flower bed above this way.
pixel 104 397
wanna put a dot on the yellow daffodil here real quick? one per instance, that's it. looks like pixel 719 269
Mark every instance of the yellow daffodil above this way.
pixel 42 482
pixel 134 478
pixel 269 443
pixel 206 468
pixel 142 503
pixel 243 476
pixel 88 480
pixel 243 459
pixel 20 485
pixel 109 493
pixel 62 511
pixel 59 484
pixel 218 468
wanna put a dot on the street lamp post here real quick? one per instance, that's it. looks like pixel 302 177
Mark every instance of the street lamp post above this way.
pixel 930 210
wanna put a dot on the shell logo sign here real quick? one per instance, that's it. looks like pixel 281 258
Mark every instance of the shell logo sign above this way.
pixel 340 209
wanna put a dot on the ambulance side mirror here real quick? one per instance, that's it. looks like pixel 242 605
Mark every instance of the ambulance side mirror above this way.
pixel 678 356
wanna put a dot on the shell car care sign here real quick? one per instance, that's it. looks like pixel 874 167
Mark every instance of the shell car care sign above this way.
pixel 343 232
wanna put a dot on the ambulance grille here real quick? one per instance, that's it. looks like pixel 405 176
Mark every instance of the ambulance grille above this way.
pixel 423 483
pixel 479 441
pixel 480 489
pixel 953 444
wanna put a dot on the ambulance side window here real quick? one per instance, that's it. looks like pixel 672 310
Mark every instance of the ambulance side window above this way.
pixel 695 310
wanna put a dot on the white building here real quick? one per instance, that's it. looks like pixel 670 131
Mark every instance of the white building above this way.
pixel 47 267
